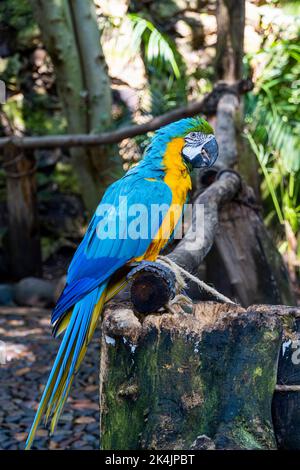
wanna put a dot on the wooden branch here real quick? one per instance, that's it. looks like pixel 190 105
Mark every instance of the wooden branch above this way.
pixel 226 130
pixel 153 285
pixel 207 106
pixel 23 227
pixel 287 388
pixel 152 289
pixel 191 250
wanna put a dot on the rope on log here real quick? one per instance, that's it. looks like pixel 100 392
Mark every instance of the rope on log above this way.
pixel 178 270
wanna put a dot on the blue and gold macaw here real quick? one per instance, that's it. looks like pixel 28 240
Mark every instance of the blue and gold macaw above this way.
pixel 161 177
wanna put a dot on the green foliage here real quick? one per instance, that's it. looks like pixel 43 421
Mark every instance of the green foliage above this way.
pixel 65 178
pixel 160 51
pixel 40 118
pixel 34 115
pixel 273 118
pixel 275 106
pixel 18 15
pixel 164 65
pixel 10 68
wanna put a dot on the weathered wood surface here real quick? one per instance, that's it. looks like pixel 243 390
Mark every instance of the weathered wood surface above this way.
pixel 23 227
pixel 286 402
pixel 249 267
pixel 200 380
pixel 230 16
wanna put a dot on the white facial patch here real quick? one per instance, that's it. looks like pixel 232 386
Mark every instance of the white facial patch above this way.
pixel 194 144
pixel 200 150
pixel 190 151
pixel 198 138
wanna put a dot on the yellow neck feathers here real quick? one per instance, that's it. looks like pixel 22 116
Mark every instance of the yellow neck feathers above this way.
pixel 178 179
pixel 177 176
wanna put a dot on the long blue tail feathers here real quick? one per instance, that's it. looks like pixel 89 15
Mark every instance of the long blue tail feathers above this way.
pixel 70 354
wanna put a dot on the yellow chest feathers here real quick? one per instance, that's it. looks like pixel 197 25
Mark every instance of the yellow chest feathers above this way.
pixel 177 176
pixel 178 179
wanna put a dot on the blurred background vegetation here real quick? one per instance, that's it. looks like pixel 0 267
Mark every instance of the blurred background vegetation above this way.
pixel 160 55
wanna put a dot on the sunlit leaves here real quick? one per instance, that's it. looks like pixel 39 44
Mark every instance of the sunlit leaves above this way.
pixel 159 49
pixel 273 117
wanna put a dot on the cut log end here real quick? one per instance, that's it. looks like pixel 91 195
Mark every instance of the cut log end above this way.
pixel 153 285
pixel 149 292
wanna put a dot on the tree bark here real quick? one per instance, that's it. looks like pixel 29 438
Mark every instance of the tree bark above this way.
pixel 23 227
pixel 286 401
pixel 250 269
pixel 174 381
pixel 230 39
pixel 77 61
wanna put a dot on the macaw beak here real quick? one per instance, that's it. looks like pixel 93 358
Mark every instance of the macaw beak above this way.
pixel 203 155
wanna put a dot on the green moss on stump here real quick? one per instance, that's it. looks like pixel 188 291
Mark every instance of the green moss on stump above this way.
pixel 172 378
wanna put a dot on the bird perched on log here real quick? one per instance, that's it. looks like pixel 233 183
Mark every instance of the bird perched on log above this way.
pixel 161 180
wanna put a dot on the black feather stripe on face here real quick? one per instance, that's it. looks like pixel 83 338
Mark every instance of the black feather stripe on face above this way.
pixel 194 139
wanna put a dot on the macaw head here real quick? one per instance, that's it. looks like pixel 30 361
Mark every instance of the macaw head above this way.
pixel 191 138
pixel 200 148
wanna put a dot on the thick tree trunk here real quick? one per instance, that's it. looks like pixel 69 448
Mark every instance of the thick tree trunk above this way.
pixel 71 36
pixel 23 227
pixel 230 39
pixel 250 269
pixel 99 97
pixel 229 68
pixel 185 381
pixel 286 402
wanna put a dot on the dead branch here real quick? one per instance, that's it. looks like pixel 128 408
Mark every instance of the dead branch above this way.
pixel 207 106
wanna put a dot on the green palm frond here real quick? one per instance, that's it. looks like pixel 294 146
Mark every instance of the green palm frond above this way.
pixel 273 116
pixel 159 49
pixel 281 139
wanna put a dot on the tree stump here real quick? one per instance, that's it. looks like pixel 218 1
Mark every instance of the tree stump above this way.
pixel 23 225
pixel 189 381
pixel 286 401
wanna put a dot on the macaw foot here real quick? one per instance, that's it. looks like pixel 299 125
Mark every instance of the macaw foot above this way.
pixel 184 303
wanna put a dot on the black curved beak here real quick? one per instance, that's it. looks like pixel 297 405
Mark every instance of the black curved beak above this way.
pixel 209 153
pixel 202 156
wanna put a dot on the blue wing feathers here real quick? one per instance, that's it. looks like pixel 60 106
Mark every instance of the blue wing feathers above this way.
pixel 97 259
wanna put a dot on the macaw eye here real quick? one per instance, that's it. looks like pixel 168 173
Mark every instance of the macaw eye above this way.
pixel 193 134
